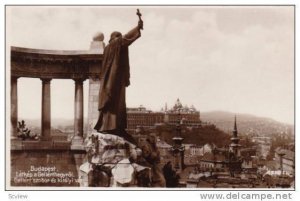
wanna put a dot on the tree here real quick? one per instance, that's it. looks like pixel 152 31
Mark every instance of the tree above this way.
pixel 24 133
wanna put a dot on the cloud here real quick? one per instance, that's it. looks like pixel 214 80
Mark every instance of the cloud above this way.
pixel 218 58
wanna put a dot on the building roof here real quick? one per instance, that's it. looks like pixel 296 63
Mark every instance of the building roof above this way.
pixel 140 109
pixel 209 157
pixel 188 146
pixel 271 165
pixel 287 154
pixel 183 109
pixel 163 144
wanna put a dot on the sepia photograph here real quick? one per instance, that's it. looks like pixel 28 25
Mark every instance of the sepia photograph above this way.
pixel 150 97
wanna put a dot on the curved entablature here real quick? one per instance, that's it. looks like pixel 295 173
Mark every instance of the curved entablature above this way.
pixel 55 64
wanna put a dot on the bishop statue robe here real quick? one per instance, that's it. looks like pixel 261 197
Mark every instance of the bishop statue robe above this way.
pixel 114 79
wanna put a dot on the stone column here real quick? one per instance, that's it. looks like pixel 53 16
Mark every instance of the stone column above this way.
pixel 78 113
pixel 14 107
pixel 46 109
pixel 97 47
pixel 93 113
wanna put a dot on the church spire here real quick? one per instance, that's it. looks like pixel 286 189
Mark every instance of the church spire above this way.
pixel 235 127
pixel 235 132
pixel 234 146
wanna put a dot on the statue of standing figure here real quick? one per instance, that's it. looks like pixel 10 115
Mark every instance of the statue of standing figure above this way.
pixel 114 78
pixel 113 82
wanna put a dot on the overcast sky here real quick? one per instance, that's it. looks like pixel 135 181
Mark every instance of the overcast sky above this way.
pixel 238 59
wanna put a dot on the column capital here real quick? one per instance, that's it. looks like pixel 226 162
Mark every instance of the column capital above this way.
pixel 46 80
pixel 14 78
pixel 79 80
pixel 94 77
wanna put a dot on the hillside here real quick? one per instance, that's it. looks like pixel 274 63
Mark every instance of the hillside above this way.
pixel 247 124
pixel 55 122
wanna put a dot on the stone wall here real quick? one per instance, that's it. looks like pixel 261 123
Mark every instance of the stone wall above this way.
pixel 45 168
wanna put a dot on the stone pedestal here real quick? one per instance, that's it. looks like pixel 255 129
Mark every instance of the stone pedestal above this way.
pixel 77 143
pixel 97 45
pixel 107 162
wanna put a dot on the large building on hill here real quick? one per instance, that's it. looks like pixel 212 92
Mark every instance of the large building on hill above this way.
pixel 140 116
pixel 187 115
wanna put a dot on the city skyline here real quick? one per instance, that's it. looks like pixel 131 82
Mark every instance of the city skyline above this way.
pixel 213 66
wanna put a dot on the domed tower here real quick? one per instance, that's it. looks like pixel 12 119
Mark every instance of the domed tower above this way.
pixel 178 105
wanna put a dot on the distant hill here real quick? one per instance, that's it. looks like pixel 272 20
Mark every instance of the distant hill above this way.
pixel 55 122
pixel 247 124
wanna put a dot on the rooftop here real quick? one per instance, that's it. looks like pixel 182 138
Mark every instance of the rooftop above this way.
pixel 211 157
pixel 287 154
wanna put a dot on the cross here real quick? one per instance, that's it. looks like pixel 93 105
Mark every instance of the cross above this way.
pixel 139 14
